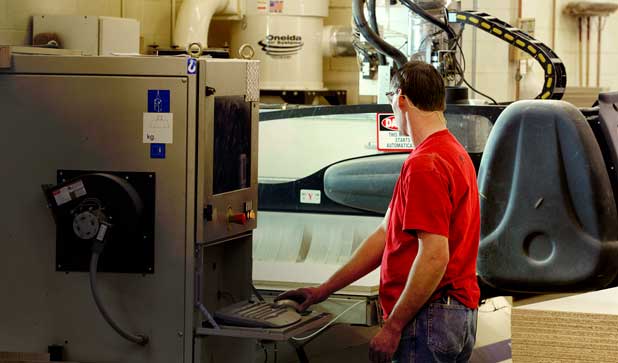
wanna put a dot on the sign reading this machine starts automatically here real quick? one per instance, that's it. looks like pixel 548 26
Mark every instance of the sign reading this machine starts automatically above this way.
pixel 389 137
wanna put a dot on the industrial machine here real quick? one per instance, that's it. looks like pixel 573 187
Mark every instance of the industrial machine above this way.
pixel 288 37
pixel 567 246
pixel 524 248
pixel 434 36
pixel 537 237
pixel 128 227
pixel 324 186
pixel 143 190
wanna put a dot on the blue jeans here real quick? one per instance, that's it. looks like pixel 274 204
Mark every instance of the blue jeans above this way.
pixel 443 331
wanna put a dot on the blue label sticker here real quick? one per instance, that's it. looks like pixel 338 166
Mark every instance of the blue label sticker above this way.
pixel 191 66
pixel 158 100
pixel 157 151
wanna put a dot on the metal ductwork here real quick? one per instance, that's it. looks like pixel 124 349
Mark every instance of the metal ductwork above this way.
pixel 194 20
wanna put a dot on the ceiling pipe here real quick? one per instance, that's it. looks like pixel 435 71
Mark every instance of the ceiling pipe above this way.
pixel 194 19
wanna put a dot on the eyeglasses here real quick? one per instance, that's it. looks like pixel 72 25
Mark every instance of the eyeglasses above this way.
pixel 389 96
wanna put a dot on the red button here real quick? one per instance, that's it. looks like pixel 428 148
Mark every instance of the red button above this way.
pixel 239 218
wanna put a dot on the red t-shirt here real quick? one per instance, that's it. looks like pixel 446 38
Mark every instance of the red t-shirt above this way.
pixel 436 193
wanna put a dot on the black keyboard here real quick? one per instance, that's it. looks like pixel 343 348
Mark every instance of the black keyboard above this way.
pixel 256 314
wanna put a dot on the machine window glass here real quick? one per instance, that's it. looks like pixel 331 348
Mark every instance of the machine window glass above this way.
pixel 306 143
pixel 232 146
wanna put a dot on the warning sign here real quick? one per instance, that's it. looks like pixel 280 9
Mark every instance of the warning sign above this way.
pixel 389 137
pixel 69 192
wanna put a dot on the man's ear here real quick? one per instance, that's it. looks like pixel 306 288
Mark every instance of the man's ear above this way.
pixel 402 103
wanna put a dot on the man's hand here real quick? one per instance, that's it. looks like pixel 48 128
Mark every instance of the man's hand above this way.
pixel 384 345
pixel 305 296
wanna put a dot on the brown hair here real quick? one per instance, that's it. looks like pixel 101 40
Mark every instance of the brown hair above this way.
pixel 422 84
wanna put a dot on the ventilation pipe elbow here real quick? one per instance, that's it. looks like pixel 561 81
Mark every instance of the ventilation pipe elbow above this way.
pixel 194 20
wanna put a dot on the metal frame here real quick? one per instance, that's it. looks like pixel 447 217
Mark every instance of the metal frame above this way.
pixel 229 77
pixel 219 82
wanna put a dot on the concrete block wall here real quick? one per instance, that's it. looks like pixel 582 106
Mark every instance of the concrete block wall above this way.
pixel 16 15
pixel 495 74
pixel 155 18
pixel 567 46
pixel 153 15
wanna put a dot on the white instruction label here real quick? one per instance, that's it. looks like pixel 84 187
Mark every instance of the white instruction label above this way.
pixel 389 137
pixel 309 196
pixel 70 192
pixel 102 231
pixel 158 128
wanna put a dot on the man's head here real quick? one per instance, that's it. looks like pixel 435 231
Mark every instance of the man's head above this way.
pixel 421 84
pixel 417 89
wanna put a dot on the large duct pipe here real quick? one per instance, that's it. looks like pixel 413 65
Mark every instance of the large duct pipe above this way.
pixel 194 20
pixel 338 41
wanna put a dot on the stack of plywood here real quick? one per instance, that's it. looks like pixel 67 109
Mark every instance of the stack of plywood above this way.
pixel 579 328
pixel 8 357
pixel 5 57
pixel 582 96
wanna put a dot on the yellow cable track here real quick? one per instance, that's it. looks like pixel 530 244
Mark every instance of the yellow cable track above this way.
pixel 555 72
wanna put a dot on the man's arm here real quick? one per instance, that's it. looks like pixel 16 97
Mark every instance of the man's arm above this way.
pixel 365 259
pixel 423 279
pixel 425 275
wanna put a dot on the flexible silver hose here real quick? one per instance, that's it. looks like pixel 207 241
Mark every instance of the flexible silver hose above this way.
pixel 135 338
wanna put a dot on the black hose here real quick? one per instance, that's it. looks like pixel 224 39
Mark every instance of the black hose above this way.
pixel 430 18
pixel 300 352
pixel 373 22
pixel 374 39
pixel 265 353
pixel 137 339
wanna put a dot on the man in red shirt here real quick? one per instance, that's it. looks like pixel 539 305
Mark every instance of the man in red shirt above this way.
pixel 428 241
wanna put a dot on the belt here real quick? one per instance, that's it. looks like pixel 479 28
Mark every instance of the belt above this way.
pixel 446 300
pixel 443 296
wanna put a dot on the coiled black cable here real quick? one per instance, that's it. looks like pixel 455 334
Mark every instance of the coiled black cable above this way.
pixel 371 36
